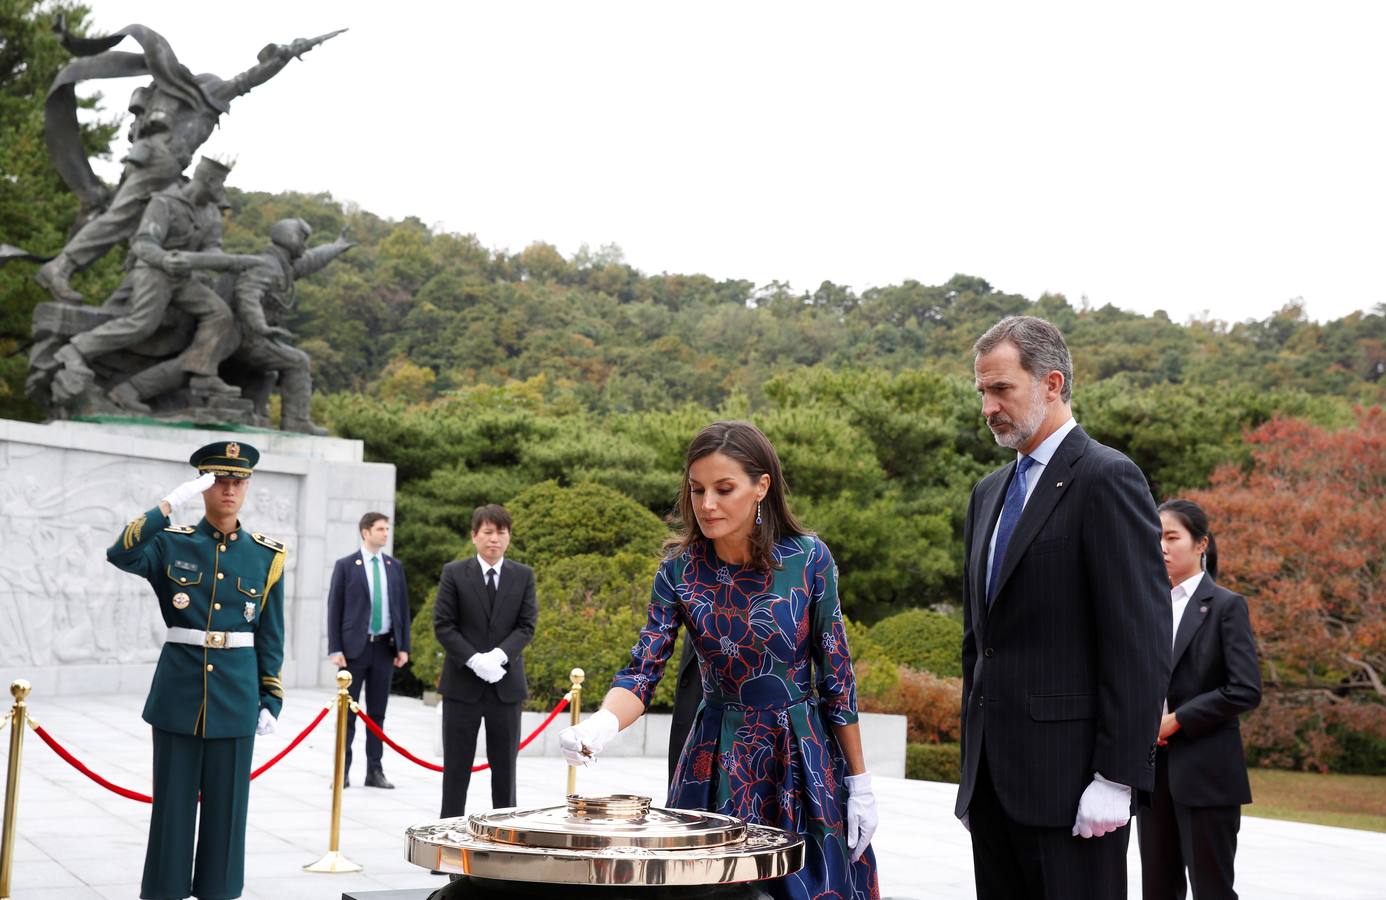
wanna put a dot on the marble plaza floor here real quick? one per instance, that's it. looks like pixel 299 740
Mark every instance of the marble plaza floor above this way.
pixel 77 841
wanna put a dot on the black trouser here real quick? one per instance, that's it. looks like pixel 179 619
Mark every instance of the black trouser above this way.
pixel 1174 837
pixel 374 669
pixel 1027 862
pixel 461 720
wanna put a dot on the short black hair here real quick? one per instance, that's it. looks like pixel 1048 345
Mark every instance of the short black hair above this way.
pixel 492 513
pixel 369 519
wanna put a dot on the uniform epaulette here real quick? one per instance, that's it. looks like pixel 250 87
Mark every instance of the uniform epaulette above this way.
pixel 268 542
pixel 181 529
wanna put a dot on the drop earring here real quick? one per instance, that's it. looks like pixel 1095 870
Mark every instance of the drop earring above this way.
pixel 758 519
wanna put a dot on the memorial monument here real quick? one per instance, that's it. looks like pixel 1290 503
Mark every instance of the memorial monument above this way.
pixel 192 336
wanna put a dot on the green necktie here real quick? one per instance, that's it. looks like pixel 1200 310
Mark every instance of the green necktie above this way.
pixel 377 601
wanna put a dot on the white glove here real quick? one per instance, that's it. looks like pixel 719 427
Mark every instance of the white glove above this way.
pixel 266 723
pixel 582 742
pixel 498 659
pixel 189 489
pixel 862 817
pixel 1105 806
pixel 485 669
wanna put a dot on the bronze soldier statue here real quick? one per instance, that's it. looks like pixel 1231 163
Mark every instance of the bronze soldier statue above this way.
pixel 178 236
pixel 174 116
pixel 263 294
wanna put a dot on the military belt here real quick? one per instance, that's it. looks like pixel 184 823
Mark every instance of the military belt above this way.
pixel 215 640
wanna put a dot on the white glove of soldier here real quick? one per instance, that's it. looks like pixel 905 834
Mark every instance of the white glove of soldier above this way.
pixel 1105 806
pixel 266 723
pixel 862 817
pixel 485 669
pixel 189 489
pixel 582 742
pixel 498 659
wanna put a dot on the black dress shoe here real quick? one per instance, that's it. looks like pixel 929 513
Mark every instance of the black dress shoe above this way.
pixel 377 780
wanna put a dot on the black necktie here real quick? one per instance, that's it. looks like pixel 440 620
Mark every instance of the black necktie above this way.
pixel 491 585
pixel 1010 515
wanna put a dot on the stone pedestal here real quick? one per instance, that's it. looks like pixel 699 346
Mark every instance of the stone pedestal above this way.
pixel 72 623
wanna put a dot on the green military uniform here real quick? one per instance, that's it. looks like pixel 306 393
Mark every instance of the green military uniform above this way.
pixel 226 592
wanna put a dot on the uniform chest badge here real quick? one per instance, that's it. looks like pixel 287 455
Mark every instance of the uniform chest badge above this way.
pixel 181 600
pixel 249 611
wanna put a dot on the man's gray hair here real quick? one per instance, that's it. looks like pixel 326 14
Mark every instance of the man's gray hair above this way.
pixel 1042 348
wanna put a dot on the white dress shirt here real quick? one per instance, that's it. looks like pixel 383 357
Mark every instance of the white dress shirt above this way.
pixel 485 566
pixel 1041 456
pixel 1179 597
pixel 366 556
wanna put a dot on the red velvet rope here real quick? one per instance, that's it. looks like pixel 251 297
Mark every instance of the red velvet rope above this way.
pixel 77 764
pixel 145 798
pixel 376 730
pixel 292 744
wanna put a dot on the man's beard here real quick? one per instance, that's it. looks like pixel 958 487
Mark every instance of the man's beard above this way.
pixel 1023 430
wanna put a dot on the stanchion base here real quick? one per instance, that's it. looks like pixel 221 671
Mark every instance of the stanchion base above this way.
pixel 333 862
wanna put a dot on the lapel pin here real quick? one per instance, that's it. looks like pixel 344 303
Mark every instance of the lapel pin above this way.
pixel 1058 484
pixel 1203 609
pixel 358 562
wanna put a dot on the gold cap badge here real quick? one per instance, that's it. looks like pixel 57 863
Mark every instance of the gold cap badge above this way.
pixel 233 451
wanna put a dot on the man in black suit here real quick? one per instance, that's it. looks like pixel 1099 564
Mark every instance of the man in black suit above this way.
pixel 368 631
pixel 484 617
pixel 1065 617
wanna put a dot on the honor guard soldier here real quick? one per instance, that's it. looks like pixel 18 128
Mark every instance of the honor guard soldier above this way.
pixel 221 592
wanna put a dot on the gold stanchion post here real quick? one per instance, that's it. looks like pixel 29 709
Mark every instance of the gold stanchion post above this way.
pixel 575 705
pixel 334 861
pixel 19 717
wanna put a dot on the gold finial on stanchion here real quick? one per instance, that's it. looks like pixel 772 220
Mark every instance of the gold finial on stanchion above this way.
pixel 577 676
pixel 19 716
pixel 334 861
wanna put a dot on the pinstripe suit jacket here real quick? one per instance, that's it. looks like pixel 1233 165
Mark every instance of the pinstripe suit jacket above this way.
pixel 1063 676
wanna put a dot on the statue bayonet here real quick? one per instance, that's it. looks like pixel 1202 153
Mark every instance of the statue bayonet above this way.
pixel 309 43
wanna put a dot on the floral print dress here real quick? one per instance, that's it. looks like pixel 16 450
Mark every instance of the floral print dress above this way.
pixel 762 746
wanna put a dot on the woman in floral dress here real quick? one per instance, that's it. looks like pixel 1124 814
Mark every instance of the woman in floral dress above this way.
pixel 776 740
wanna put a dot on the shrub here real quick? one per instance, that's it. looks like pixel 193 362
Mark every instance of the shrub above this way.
pixel 556 523
pixel 876 673
pixel 922 639
pixel 933 762
pixel 932 705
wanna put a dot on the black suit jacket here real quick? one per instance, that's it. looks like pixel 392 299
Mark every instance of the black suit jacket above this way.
pixel 349 605
pixel 1063 676
pixel 688 693
pixel 466 623
pixel 1216 677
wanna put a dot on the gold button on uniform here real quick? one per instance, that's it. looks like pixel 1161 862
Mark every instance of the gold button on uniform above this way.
pixel 252 592
pixel 220 576
pixel 221 547
pixel 182 580
pixel 231 536
pixel 209 667
pixel 216 606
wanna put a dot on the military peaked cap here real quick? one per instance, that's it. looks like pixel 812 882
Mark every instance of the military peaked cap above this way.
pixel 230 459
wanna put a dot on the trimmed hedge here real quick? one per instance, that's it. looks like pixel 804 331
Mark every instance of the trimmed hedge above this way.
pixel 933 762
pixel 922 639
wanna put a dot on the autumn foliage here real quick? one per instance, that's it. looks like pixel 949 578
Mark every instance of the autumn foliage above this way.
pixel 1302 535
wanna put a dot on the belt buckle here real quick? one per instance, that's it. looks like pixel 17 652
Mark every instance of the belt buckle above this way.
pixel 215 640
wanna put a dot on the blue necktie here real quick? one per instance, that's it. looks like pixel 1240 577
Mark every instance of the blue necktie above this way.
pixel 1010 515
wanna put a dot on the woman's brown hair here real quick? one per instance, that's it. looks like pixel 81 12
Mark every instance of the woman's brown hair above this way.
pixel 746 444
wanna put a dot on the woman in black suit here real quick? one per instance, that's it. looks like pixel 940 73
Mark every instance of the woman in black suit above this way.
pixel 1200 772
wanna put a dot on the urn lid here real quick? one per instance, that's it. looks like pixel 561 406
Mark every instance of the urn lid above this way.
pixel 615 839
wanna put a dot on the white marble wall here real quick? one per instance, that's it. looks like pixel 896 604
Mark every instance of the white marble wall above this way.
pixel 72 623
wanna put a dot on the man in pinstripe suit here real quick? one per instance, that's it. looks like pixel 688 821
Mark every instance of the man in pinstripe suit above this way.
pixel 1065 634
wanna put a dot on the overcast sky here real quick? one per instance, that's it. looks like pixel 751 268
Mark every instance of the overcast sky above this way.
pixel 1203 158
